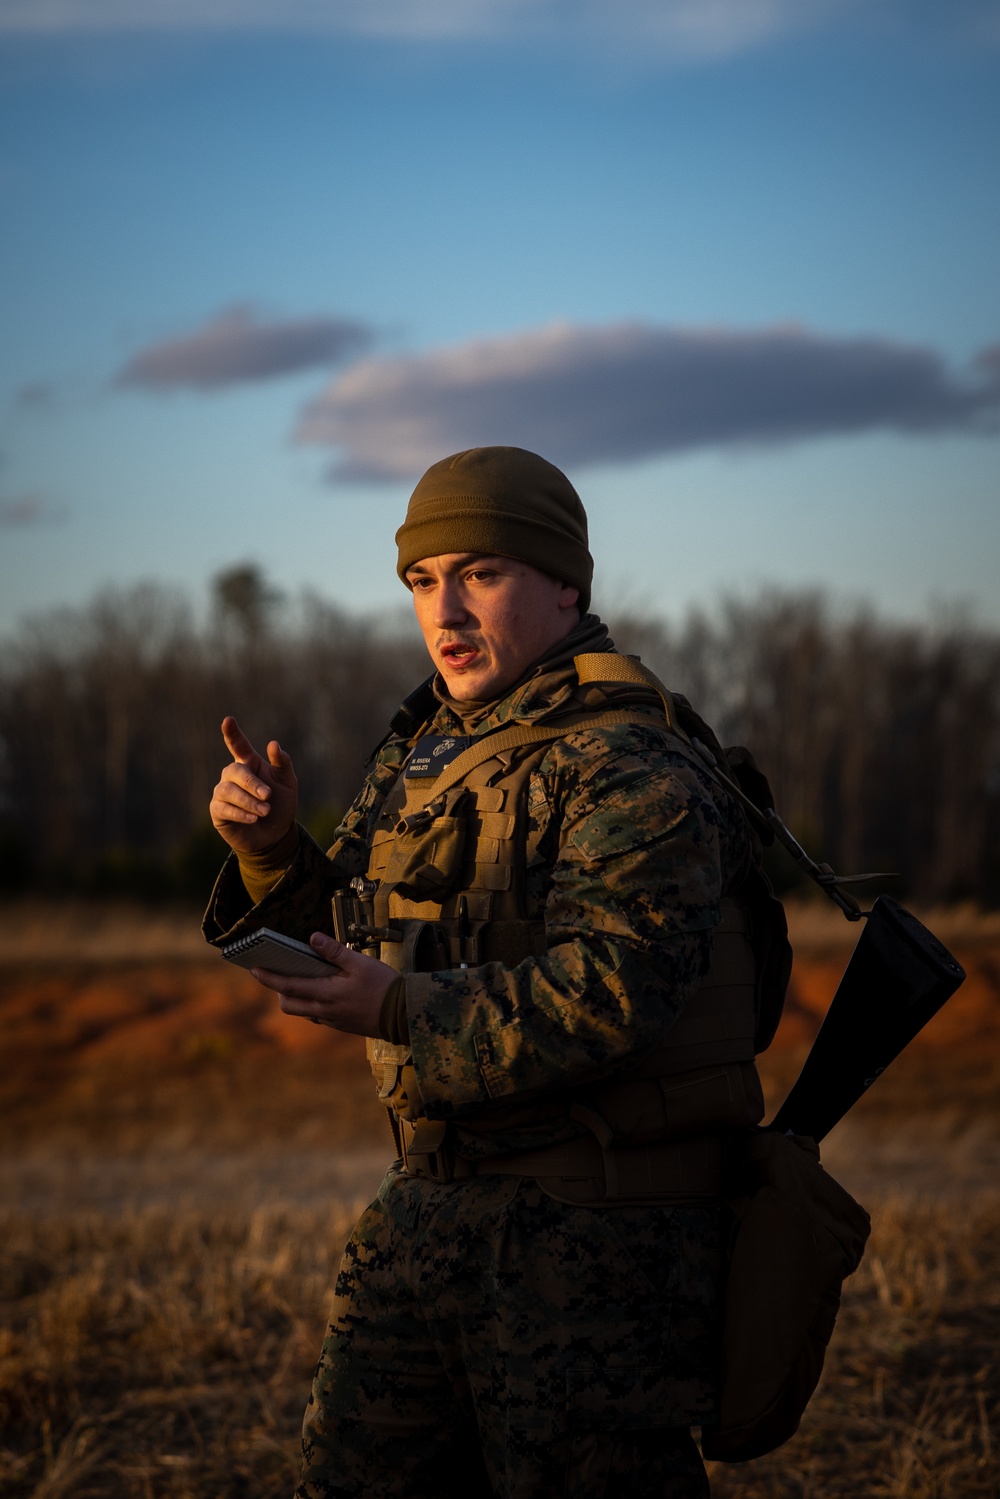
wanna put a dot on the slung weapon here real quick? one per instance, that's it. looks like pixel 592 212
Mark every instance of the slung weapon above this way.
pixel 898 977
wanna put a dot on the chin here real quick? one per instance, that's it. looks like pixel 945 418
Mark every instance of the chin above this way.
pixel 470 686
pixel 464 691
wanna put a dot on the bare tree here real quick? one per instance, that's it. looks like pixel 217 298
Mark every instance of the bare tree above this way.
pixel 881 741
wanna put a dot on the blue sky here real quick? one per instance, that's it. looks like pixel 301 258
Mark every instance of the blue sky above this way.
pixel 733 263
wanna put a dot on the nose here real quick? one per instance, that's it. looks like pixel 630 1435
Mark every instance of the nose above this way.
pixel 449 610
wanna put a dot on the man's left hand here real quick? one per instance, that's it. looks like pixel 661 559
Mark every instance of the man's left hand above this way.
pixel 349 1000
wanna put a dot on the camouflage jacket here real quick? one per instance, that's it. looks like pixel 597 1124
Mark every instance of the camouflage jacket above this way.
pixel 632 848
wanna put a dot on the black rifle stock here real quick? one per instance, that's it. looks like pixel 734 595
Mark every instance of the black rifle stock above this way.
pixel 899 976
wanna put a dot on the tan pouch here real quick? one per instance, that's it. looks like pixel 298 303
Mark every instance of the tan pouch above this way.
pixel 428 851
pixel 799 1236
pixel 395 1077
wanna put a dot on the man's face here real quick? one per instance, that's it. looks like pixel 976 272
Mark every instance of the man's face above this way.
pixel 485 619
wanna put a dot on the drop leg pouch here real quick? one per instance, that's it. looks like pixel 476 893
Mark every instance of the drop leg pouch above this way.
pixel 798 1236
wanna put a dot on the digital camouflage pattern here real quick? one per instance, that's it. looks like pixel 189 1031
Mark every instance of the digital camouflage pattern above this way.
pixel 630 849
pixel 571 1348
pixel 574 1345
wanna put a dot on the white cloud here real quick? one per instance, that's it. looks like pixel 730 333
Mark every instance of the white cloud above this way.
pixel 629 391
pixel 681 27
pixel 235 347
pixel 655 30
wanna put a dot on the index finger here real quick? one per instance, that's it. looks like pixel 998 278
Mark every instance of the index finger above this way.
pixel 237 742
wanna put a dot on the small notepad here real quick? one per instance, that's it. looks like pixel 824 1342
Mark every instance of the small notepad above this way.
pixel 281 954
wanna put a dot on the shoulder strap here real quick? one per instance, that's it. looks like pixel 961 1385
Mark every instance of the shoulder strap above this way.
pixel 609 666
pixel 488 745
pixel 597 666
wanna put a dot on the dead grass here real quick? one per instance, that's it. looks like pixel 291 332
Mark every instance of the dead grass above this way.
pixel 181 1169
pixel 75 930
pixel 160 1353
pixel 194 1056
pixel 156 1352
pixel 816 924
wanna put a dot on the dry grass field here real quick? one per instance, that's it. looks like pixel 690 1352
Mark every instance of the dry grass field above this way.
pixel 180 1167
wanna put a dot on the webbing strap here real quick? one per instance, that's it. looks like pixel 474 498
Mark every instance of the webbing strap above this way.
pixel 580 1170
pixel 597 666
pixel 488 745
pixel 609 666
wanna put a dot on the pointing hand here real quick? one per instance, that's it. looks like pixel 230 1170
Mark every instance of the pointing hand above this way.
pixel 254 803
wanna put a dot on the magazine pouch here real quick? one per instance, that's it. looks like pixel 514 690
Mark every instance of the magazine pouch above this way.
pixel 426 855
pixel 798 1236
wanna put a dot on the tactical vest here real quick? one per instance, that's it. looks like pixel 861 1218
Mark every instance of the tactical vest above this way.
pixel 448 861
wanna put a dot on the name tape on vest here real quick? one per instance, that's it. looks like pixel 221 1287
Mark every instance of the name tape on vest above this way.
pixel 430 755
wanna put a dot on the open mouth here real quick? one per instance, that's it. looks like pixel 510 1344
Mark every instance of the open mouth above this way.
pixel 458 654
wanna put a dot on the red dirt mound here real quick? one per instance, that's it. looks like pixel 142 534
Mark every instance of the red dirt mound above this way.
pixel 153 1011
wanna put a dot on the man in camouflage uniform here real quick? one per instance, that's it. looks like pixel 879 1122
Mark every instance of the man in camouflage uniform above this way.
pixel 531 1306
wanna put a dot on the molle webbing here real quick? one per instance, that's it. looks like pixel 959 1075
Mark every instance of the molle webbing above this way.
pixel 702 1079
pixel 460 844
pixel 451 856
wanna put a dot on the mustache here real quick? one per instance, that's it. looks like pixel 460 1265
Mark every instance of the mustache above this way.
pixel 459 637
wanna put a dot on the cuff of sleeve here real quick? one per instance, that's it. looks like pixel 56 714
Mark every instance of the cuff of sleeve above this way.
pixel 261 872
pixel 393 1025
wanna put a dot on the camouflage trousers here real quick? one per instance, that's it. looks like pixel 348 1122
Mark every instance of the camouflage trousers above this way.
pixel 486 1340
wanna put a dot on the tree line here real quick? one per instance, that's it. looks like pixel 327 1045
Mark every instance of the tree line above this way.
pixel 881 740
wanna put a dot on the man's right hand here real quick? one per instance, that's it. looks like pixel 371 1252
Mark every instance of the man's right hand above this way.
pixel 253 806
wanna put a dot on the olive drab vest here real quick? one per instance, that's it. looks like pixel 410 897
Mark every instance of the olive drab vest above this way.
pixel 448 858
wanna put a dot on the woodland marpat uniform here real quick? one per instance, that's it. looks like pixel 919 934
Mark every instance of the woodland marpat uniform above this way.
pixel 630 849
pixel 580 1342
pixel 584 1340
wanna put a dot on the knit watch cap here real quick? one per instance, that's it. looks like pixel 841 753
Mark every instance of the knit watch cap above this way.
pixel 503 502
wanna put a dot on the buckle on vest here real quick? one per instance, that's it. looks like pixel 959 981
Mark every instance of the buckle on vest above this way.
pixel 427 1150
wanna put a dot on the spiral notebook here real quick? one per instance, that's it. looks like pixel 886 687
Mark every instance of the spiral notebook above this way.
pixel 281 954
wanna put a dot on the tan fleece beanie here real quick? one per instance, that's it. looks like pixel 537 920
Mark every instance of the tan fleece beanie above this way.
pixel 504 502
